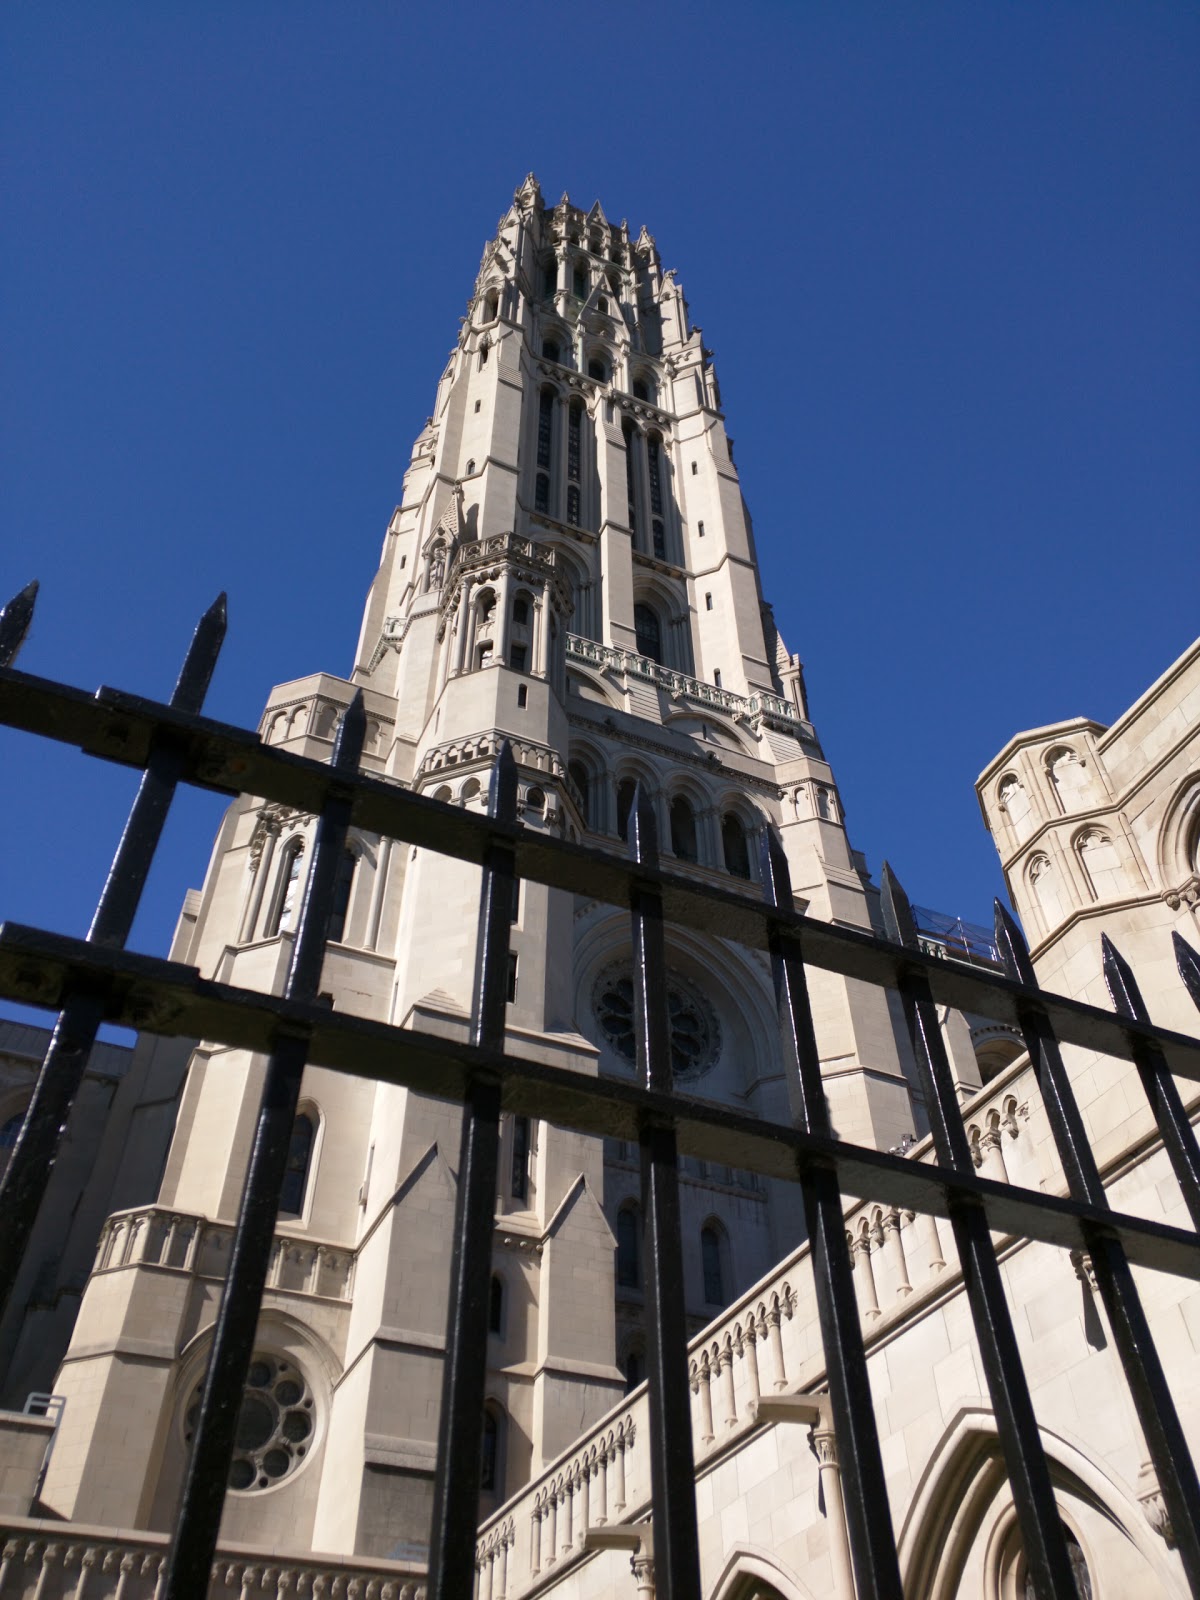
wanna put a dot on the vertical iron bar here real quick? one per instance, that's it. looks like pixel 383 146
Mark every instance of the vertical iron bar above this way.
pixel 464 1367
pixel 1029 1475
pixel 28 1173
pixel 1179 1139
pixel 864 1487
pixel 196 1529
pixel 15 618
pixel 1188 963
pixel 672 1462
pixel 1114 1280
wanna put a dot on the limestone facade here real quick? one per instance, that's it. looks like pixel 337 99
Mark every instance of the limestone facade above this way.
pixel 572 568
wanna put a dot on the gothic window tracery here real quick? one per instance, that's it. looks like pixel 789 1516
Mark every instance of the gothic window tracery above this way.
pixel 695 1032
pixel 654 468
pixel 275 1423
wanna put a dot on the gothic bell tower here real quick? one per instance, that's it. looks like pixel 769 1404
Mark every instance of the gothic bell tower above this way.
pixel 571 568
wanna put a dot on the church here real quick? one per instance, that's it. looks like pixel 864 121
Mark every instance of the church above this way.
pixel 572 569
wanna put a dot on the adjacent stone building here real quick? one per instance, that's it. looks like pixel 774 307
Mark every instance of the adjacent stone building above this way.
pixel 572 568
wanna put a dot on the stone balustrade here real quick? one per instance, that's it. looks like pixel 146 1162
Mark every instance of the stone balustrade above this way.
pixel 753 709
pixel 767 1344
pixel 52 1561
pixel 178 1242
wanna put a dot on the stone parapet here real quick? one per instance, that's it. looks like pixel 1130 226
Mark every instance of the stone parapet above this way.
pixel 176 1241
pixel 57 1561
pixel 754 710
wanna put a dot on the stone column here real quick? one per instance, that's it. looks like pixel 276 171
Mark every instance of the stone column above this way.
pixel 825 1445
pixel 894 1245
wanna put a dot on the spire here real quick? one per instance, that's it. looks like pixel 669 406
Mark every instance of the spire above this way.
pixel 529 195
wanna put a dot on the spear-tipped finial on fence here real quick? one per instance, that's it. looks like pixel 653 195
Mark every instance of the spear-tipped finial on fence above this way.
pixel 1122 985
pixel 643 828
pixel 1014 952
pixel 502 790
pixel 200 662
pixel 773 869
pixel 351 733
pixel 14 622
pixel 899 924
pixel 1188 963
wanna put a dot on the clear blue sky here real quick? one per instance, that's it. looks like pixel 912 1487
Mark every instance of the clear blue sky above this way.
pixel 945 254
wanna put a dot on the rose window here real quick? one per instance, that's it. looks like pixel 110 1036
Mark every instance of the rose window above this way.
pixel 695 1031
pixel 274 1424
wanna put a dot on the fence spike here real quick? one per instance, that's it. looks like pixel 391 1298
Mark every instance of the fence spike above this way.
pixel 200 662
pixel 1122 985
pixel 1014 951
pixel 14 622
pixel 773 868
pixel 1188 963
pixel 899 924
pixel 643 828
pixel 502 791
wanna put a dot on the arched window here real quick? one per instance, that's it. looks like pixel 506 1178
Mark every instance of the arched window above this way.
pixel 550 282
pixel 602 306
pixel 995 1052
pixel 597 369
pixel 496 1304
pixel 484 352
pixel 735 846
pixel 710 1259
pixel 286 904
pixel 520 611
pixel 487 605
pixel 1079 1570
pixel 491 306
pixel 579 283
pixel 629 1248
pixel 596 244
pixel 581 778
pixel 683 829
pixel 343 884
pixel 647 632
pixel 550 349
pixel 631 436
pixel 295 1177
pixel 626 790
pixel 641 390
pixel 491 1473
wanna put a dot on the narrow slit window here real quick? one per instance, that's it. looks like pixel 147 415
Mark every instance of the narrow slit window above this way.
pixel 295 1178
pixel 519 1184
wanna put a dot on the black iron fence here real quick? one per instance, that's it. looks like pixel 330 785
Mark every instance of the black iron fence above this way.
pixel 95 980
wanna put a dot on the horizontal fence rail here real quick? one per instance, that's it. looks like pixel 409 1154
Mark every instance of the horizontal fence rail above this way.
pixel 174 743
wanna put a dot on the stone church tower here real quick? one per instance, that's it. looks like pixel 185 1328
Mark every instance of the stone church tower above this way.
pixel 571 567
